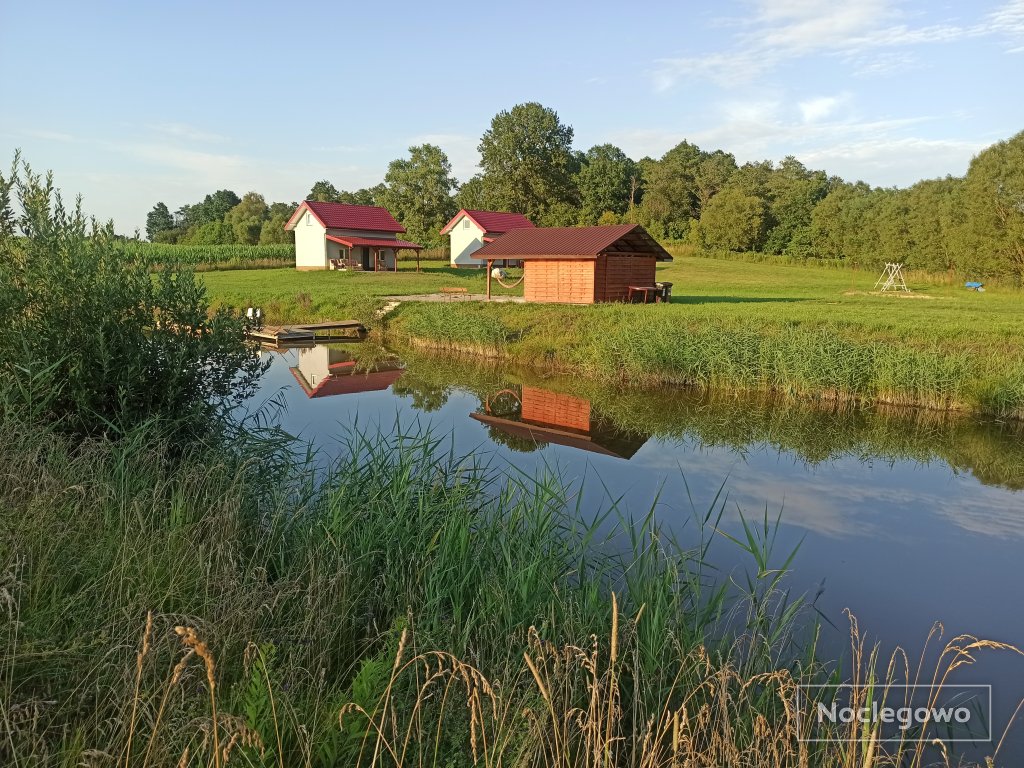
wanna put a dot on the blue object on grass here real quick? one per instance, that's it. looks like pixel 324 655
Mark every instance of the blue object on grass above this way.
pixel 973 286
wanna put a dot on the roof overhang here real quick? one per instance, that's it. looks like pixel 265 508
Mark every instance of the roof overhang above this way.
pixel 374 242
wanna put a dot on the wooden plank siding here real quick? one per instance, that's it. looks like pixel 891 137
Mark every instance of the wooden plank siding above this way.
pixel 570 281
pixel 542 406
pixel 616 273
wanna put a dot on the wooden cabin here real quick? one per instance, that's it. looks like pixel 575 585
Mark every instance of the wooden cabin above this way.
pixel 581 265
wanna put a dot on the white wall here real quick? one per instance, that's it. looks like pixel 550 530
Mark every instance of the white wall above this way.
pixel 465 241
pixel 313 250
pixel 310 249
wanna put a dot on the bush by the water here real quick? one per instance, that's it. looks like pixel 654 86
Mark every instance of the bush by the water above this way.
pixel 90 340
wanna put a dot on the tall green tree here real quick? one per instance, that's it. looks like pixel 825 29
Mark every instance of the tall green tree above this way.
pixel 418 192
pixel 994 197
pixel 158 220
pixel 734 220
pixel 527 161
pixel 366 196
pixel 246 219
pixel 471 194
pixel 606 182
pixel 791 192
pixel 712 173
pixel 273 231
pixel 677 186
pixel 323 192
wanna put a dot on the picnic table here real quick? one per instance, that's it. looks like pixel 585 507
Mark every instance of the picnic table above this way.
pixel 646 290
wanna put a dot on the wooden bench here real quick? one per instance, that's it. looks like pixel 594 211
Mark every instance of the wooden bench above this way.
pixel 454 289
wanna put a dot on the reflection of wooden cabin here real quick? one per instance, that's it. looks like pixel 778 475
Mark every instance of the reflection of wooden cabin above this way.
pixel 580 265
pixel 554 417
pixel 324 371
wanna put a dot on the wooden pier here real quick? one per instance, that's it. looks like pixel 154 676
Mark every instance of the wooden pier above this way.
pixel 338 330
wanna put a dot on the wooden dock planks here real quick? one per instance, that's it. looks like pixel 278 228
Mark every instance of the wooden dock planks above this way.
pixel 289 334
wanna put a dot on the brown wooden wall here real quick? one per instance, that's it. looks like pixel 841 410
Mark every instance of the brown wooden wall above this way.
pixel 542 406
pixel 559 280
pixel 614 274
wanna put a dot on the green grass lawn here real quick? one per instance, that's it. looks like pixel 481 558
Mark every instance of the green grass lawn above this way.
pixel 789 328
pixel 288 295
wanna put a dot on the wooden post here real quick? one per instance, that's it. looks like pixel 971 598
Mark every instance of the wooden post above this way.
pixel 490 262
pixel 417 259
pixel 396 259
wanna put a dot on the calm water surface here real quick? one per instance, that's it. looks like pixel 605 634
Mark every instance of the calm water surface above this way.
pixel 905 518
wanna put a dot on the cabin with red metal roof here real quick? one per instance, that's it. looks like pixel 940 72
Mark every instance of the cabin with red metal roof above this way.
pixel 343 236
pixel 582 265
pixel 469 230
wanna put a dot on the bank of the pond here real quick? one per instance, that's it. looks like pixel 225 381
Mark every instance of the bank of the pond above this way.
pixel 665 345
pixel 790 329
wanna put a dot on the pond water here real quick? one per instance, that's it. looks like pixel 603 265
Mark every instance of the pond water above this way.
pixel 904 517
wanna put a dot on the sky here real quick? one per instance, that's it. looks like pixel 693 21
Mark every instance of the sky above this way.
pixel 134 103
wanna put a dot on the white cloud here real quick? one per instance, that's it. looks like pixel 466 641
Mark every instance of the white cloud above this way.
pixel 877 151
pixel 815 110
pixel 47 135
pixel 782 30
pixel 186 132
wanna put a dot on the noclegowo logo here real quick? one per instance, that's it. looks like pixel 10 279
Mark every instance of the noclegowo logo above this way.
pixel 956 713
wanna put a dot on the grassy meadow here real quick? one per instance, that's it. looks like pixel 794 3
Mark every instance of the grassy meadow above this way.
pixel 804 331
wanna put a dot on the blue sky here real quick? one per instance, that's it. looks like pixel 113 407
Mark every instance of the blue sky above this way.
pixel 131 103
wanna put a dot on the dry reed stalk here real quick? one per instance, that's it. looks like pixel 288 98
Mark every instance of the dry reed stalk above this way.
pixel 191 640
pixel 139 659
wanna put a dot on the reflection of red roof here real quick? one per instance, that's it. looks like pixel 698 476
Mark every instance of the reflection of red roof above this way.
pixel 373 242
pixel 345 216
pixel 492 222
pixel 348 384
pixel 573 242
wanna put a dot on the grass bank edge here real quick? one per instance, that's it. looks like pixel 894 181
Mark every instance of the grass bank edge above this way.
pixel 646 349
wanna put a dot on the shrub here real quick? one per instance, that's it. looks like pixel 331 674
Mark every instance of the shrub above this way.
pixel 90 340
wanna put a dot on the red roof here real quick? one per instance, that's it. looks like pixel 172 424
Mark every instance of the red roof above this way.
pixel 344 216
pixel 573 242
pixel 492 222
pixel 374 242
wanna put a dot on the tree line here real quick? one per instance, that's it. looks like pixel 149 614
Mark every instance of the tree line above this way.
pixel 970 225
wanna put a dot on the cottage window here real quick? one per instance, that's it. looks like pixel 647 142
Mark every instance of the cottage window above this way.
pixel 465 223
pixel 309 219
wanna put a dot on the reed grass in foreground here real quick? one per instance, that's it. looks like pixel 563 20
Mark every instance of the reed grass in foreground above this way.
pixel 226 604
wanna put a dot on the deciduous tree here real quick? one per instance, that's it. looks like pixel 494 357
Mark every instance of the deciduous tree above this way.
pixel 158 220
pixel 246 219
pixel 418 192
pixel 605 182
pixel 527 161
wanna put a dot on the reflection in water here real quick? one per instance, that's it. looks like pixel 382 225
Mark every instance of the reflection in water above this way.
pixel 525 418
pixel 907 516
pixel 326 370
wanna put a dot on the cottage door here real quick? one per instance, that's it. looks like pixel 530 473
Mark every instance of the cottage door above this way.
pixel 366 258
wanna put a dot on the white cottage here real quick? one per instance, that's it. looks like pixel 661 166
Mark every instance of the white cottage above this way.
pixel 470 230
pixel 342 236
